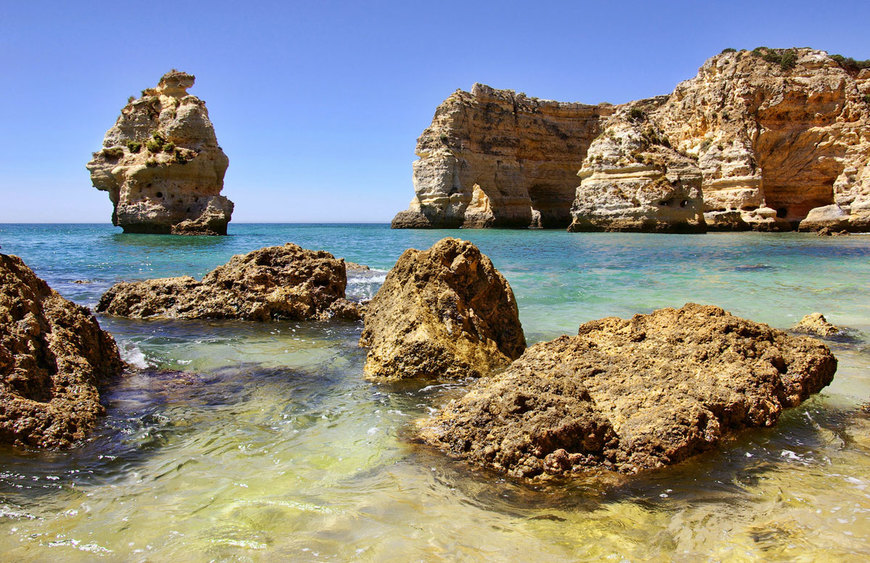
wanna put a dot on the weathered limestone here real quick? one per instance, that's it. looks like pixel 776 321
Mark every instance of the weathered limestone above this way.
pixel 276 282
pixel 162 166
pixel 53 360
pixel 780 138
pixel 494 158
pixel 631 395
pixel 445 312
pixel 815 324
pixel 632 180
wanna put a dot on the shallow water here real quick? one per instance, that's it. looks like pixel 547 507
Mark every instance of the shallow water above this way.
pixel 244 441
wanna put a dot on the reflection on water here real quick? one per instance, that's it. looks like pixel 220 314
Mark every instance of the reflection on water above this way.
pixel 245 441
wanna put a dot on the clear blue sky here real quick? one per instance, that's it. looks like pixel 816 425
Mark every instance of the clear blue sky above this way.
pixel 318 104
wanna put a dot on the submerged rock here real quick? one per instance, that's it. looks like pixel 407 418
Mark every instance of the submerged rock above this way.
pixel 445 312
pixel 162 165
pixel 276 282
pixel 817 325
pixel 631 395
pixel 53 359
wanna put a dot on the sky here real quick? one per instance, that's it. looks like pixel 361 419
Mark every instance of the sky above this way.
pixel 318 104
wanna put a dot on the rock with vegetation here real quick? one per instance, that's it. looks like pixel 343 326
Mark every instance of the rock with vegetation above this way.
pixel 162 165
pixel 779 137
pixel 631 395
pixel 276 282
pixel 817 325
pixel 782 137
pixel 54 358
pixel 445 312
pixel 632 180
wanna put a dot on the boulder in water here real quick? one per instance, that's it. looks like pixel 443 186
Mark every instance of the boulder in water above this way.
pixel 53 360
pixel 631 395
pixel 276 282
pixel 445 312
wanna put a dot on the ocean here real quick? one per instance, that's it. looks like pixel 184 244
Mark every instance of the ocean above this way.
pixel 261 441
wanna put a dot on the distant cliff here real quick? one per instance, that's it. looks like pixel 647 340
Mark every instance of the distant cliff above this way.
pixel 162 166
pixel 770 139
pixel 494 158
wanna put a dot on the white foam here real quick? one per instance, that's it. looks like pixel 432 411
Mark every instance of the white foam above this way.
pixel 133 355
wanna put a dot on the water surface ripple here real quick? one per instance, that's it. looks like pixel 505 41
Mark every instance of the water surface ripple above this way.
pixel 260 442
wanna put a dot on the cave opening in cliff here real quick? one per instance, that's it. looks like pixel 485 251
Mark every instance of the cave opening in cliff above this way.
pixel 554 204
pixel 798 161
pixel 797 172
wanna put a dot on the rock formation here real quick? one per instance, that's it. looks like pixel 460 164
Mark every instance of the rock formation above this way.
pixel 162 166
pixel 276 282
pixel 816 324
pixel 782 137
pixel 632 180
pixel 631 395
pixel 53 359
pixel 445 312
pixel 779 137
pixel 494 158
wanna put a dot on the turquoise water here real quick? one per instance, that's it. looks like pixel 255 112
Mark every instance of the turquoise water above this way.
pixel 244 441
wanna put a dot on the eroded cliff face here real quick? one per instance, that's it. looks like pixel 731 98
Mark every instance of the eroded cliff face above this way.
pixel 494 158
pixel 632 180
pixel 782 138
pixel 162 165
pixel 765 139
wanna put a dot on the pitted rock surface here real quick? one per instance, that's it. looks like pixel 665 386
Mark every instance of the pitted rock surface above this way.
pixel 445 312
pixel 54 358
pixel 276 282
pixel 631 395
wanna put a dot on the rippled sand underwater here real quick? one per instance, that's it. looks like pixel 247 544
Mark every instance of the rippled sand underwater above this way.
pixel 244 441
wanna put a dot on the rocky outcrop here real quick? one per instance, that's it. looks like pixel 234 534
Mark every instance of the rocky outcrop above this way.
pixel 494 158
pixel 816 324
pixel 782 138
pixel 631 395
pixel 445 312
pixel 53 360
pixel 277 282
pixel 632 180
pixel 779 138
pixel 162 165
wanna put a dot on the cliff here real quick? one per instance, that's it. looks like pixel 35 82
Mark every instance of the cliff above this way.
pixel 494 158
pixel 162 165
pixel 770 139
pixel 782 138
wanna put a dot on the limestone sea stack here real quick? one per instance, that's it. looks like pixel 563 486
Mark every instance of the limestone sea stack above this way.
pixel 769 139
pixel 631 395
pixel 276 282
pixel 445 312
pixel 54 358
pixel 162 165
